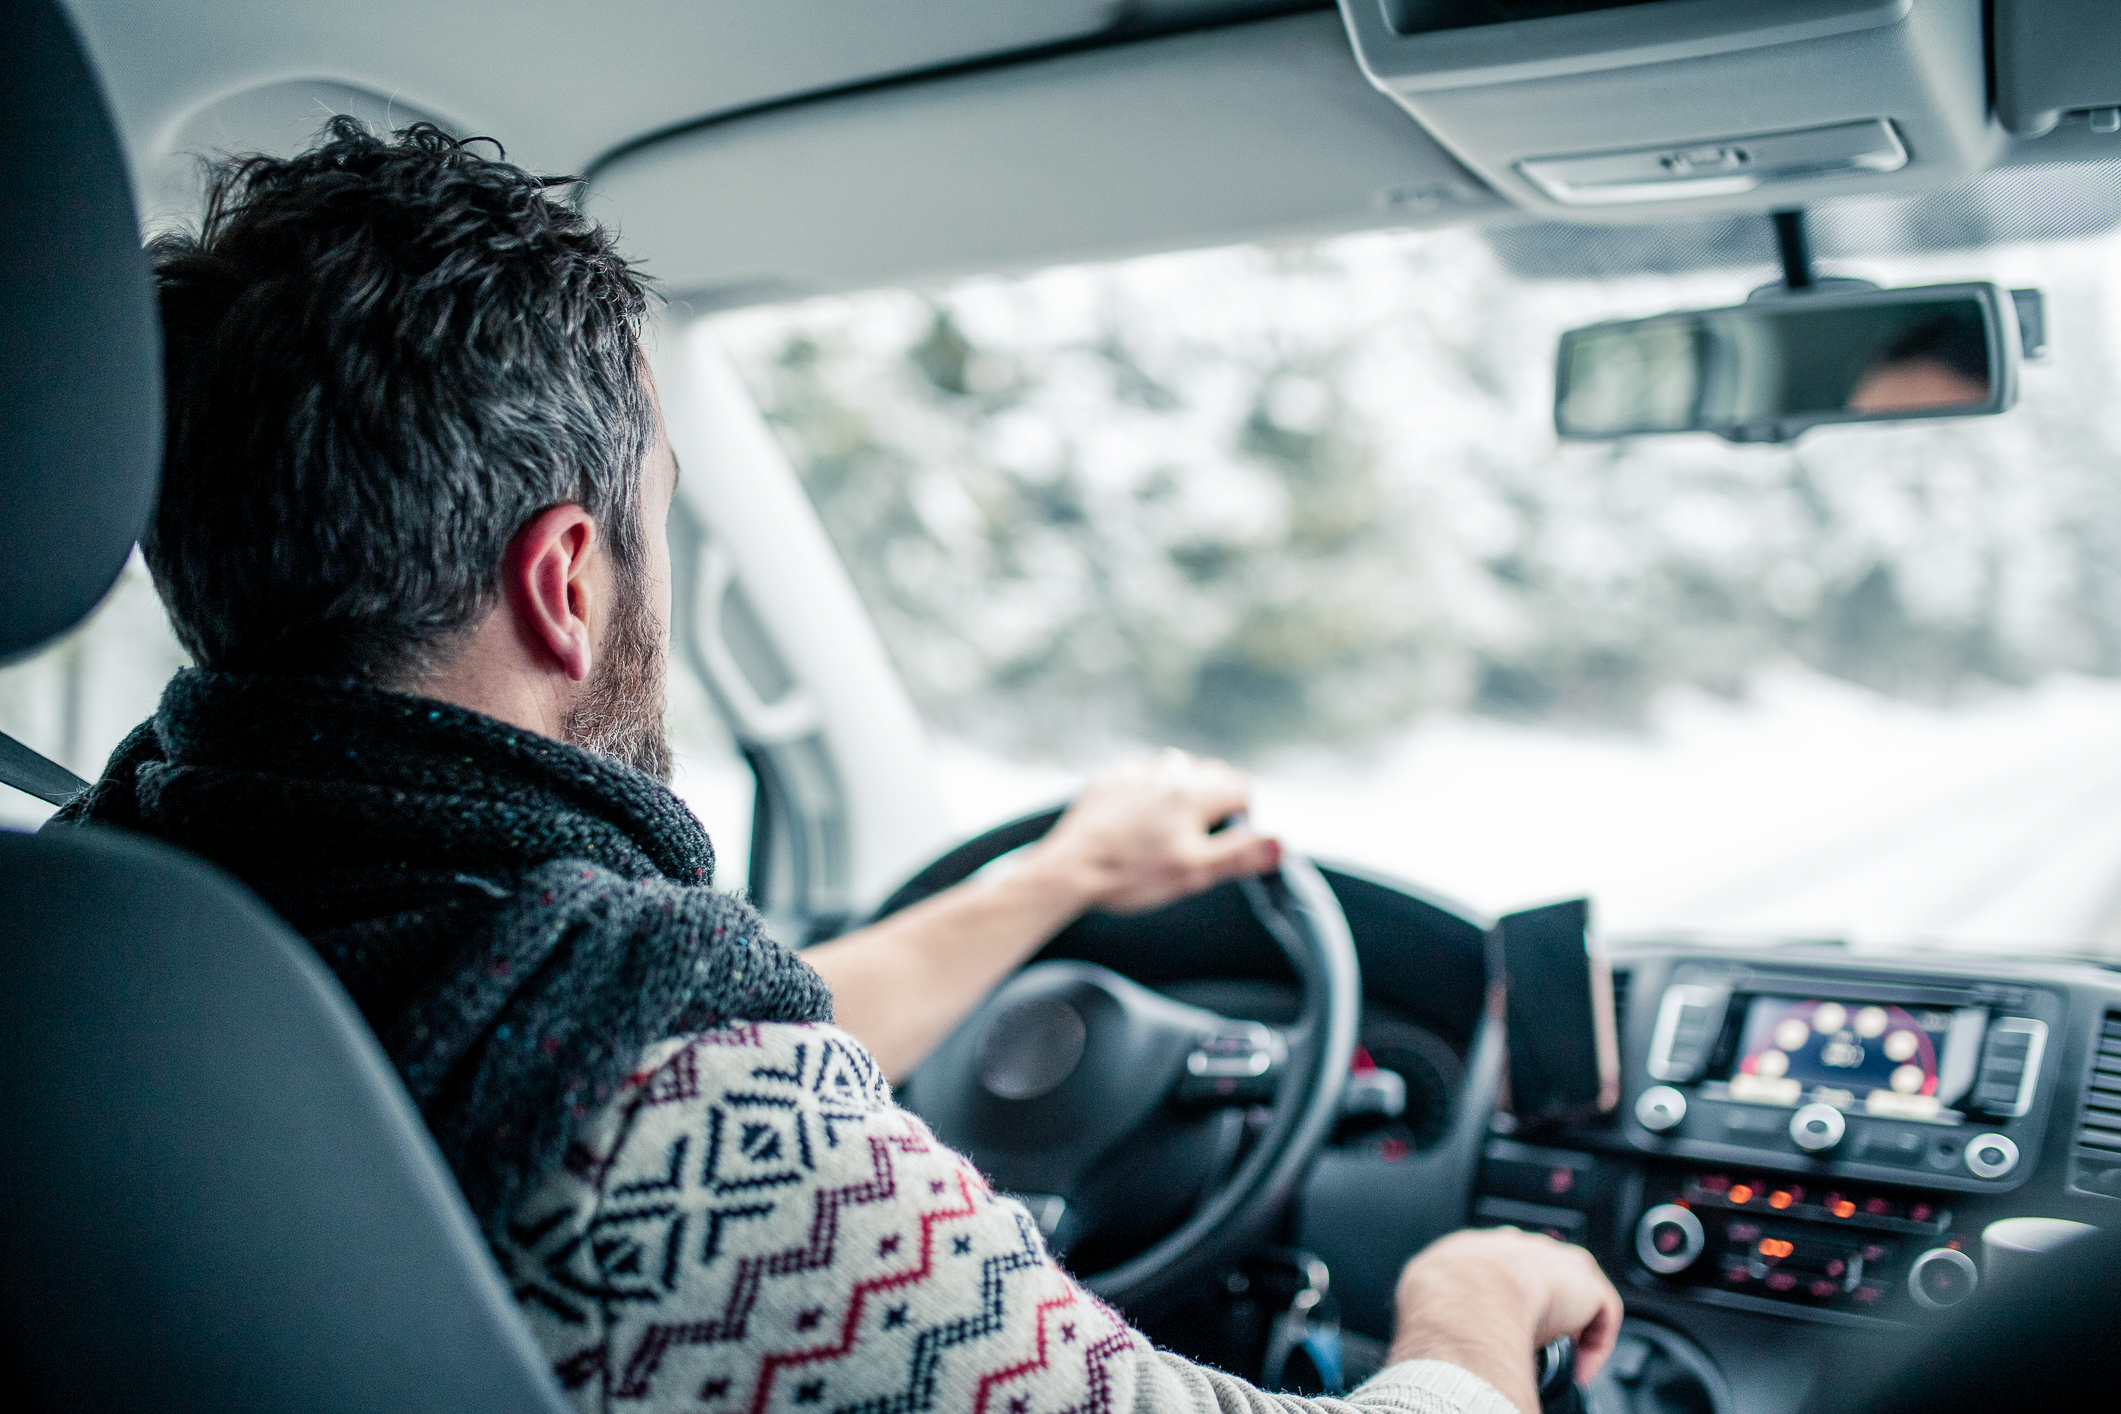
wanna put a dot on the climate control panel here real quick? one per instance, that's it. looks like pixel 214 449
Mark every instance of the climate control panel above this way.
pixel 1746 1239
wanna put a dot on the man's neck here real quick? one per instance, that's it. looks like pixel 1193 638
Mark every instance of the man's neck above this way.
pixel 497 671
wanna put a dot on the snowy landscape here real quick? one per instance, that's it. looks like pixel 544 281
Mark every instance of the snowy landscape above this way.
pixel 1815 811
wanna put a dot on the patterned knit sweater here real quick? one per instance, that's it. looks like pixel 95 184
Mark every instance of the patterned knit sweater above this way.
pixel 752 1225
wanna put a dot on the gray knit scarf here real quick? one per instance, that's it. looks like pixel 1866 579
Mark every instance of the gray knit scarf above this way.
pixel 516 918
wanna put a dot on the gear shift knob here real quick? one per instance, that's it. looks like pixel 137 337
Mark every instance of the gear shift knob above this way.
pixel 1558 1391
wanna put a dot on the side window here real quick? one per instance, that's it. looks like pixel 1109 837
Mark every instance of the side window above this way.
pixel 75 700
pixel 712 776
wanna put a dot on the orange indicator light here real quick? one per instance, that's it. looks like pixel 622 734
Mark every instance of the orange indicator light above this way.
pixel 1779 1199
pixel 1844 1209
pixel 1775 1247
pixel 1740 1193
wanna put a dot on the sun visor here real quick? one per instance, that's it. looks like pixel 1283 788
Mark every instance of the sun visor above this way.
pixel 1258 131
pixel 1626 110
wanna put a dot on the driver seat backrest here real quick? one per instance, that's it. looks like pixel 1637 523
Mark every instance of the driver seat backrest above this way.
pixel 218 1195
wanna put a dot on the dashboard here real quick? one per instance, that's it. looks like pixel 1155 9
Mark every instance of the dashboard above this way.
pixel 1807 1148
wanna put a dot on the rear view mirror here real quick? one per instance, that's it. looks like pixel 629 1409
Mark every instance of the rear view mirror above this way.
pixel 1766 370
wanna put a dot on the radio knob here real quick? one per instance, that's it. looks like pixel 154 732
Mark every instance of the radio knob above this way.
pixel 1941 1278
pixel 1669 1238
pixel 1660 1108
pixel 1990 1155
pixel 1817 1128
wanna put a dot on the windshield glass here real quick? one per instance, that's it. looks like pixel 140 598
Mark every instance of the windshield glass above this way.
pixel 1304 507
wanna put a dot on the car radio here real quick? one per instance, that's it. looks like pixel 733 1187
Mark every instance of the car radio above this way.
pixel 1944 1086
pixel 1758 1241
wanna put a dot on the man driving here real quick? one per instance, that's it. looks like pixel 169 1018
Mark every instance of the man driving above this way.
pixel 411 531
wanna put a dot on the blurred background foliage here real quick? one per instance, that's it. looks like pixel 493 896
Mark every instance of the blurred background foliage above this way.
pixel 1256 498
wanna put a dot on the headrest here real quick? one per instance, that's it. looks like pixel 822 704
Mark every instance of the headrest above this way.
pixel 80 351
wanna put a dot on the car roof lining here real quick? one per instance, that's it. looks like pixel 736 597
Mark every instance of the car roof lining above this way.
pixel 771 110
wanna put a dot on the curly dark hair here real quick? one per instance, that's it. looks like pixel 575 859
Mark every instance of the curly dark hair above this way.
pixel 383 356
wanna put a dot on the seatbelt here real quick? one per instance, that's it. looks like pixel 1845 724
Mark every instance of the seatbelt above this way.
pixel 42 777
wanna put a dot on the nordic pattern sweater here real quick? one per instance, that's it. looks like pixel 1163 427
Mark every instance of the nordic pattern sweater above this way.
pixel 752 1225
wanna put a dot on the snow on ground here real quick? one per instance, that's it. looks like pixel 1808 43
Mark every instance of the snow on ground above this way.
pixel 1813 810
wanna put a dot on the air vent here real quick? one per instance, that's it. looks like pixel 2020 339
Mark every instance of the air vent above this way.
pixel 2098 1158
pixel 1621 978
pixel 1688 1022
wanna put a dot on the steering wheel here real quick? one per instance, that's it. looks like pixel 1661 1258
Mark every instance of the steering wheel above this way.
pixel 1118 1115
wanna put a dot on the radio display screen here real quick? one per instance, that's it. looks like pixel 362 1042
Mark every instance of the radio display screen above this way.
pixel 1885 1059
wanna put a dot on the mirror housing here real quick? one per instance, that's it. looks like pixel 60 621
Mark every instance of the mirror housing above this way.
pixel 1789 360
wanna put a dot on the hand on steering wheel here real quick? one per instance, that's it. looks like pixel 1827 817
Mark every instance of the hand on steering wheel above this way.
pixel 1084 1093
pixel 1139 833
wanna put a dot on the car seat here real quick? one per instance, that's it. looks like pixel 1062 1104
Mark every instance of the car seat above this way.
pixel 218 1196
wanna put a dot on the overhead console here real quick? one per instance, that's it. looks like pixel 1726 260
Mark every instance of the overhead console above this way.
pixel 2055 58
pixel 1623 110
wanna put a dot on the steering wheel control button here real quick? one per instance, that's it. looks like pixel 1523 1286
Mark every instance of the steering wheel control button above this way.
pixel 1817 1128
pixel 1031 1048
pixel 1990 1156
pixel 1668 1239
pixel 1660 1108
pixel 1237 1064
pixel 1941 1278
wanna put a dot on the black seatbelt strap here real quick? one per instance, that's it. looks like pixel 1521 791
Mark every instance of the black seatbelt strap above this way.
pixel 41 776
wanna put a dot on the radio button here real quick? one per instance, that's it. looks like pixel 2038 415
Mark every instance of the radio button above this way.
pixel 1883 1143
pixel 1817 1128
pixel 1660 1108
pixel 1990 1156
pixel 1941 1278
pixel 1668 1239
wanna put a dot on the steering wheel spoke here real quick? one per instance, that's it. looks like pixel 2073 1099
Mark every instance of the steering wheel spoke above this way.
pixel 1150 1140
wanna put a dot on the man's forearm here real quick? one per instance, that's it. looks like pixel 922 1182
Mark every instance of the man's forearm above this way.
pixel 1166 1383
pixel 1477 1329
pixel 901 985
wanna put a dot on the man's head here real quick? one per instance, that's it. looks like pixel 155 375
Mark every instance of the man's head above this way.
pixel 1939 362
pixel 404 383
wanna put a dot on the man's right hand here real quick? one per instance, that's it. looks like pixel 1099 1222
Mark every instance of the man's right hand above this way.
pixel 1142 833
pixel 1487 1301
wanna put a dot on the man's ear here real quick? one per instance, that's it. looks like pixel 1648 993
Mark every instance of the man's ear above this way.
pixel 548 589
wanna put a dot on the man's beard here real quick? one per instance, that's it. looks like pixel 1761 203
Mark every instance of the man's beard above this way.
pixel 620 712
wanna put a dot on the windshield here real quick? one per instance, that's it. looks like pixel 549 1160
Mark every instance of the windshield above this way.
pixel 1304 507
